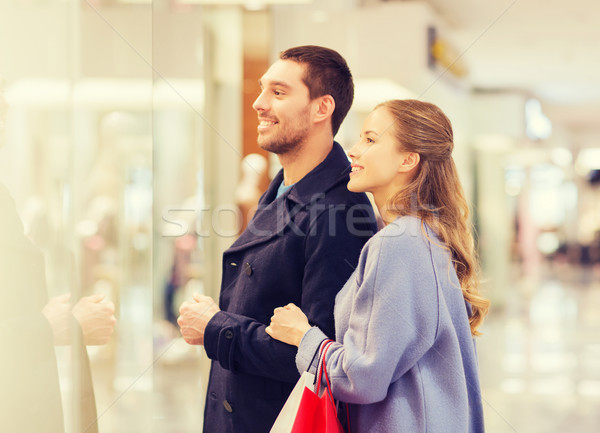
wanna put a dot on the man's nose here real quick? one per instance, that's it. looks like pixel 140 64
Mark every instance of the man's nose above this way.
pixel 260 103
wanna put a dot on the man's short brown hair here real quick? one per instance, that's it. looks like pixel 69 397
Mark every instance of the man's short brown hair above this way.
pixel 326 73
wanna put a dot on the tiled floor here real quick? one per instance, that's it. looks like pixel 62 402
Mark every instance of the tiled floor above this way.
pixel 539 359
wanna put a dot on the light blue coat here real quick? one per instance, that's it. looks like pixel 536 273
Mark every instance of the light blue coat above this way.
pixel 404 358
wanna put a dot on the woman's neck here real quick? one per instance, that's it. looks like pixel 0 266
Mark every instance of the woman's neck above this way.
pixel 383 209
pixel 383 197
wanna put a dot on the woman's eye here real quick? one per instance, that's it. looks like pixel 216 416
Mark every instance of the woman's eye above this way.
pixel 370 140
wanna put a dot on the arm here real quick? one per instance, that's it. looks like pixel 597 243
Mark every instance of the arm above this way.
pixel 240 343
pixel 392 323
pixel 290 325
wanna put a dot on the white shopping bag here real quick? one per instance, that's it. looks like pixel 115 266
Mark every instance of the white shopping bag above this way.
pixel 285 419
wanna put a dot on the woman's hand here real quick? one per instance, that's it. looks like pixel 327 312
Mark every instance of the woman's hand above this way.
pixel 288 324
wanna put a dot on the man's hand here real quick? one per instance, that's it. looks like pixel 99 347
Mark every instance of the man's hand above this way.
pixel 96 318
pixel 194 316
pixel 58 313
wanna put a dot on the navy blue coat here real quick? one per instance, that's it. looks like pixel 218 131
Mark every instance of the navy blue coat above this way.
pixel 300 248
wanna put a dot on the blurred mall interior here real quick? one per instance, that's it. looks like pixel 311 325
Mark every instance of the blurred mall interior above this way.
pixel 125 142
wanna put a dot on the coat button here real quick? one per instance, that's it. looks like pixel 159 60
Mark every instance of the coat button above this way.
pixel 229 334
pixel 227 406
pixel 248 269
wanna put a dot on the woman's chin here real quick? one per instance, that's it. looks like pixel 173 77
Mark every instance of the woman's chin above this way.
pixel 353 187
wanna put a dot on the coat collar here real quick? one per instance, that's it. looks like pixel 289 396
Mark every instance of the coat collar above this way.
pixel 330 172
pixel 274 214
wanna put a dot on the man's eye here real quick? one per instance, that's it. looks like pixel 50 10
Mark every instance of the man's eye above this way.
pixel 277 92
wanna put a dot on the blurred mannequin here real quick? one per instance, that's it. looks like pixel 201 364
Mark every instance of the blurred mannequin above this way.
pixel 30 326
pixel 182 268
pixel 180 275
pixel 250 186
pixel 98 234
pixel 98 229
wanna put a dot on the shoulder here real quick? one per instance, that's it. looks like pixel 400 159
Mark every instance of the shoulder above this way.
pixel 405 232
pixel 397 262
pixel 402 226
pixel 406 243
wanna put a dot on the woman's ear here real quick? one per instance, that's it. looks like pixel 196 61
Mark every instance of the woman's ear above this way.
pixel 324 108
pixel 410 160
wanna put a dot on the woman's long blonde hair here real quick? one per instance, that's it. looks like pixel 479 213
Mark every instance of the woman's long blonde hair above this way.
pixel 435 193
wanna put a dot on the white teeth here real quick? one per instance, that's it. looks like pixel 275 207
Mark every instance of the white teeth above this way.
pixel 266 123
pixel 356 168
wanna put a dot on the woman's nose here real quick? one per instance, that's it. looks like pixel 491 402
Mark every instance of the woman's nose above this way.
pixel 353 152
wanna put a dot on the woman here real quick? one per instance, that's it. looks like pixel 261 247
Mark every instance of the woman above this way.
pixel 404 358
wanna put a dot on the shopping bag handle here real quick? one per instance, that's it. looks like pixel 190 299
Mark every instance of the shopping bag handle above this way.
pixel 324 348
pixel 323 352
pixel 322 370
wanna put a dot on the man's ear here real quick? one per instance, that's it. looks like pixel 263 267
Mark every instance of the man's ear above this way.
pixel 325 105
pixel 410 160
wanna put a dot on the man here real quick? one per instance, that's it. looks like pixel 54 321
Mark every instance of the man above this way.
pixel 301 245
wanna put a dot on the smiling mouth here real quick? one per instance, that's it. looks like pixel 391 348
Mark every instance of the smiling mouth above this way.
pixel 265 124
pixel 355 170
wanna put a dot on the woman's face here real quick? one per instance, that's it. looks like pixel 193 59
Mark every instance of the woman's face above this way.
pixel 376 160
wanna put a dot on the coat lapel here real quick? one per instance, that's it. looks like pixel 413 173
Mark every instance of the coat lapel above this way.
pixel 270 220
pixel 275 214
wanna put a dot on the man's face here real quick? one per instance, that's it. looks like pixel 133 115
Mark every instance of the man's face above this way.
pixel 283 107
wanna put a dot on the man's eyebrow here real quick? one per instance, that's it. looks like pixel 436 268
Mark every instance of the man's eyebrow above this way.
pixel 275 84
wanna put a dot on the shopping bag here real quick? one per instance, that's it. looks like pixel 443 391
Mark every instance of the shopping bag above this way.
pixel 317 413
pixel 310 409
pixel 285 419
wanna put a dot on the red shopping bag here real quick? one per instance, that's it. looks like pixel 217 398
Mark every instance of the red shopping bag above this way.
pixel 318 414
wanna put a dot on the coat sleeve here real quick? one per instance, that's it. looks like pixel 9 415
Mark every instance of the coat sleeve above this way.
pixel 331 257
pixel 240 343
pixel 392 323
